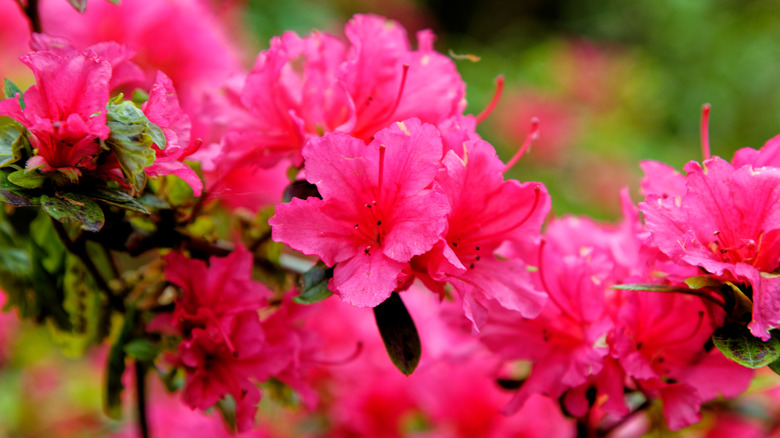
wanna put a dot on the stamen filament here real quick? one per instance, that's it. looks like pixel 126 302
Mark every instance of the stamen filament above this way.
pixel 537 196
pixel 494 101
pixel 532 135
pixel 705 131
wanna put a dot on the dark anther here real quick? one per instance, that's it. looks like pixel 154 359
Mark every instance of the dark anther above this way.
pixel 379 222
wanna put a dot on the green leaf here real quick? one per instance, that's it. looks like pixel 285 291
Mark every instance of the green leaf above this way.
pixel 74 207
pixel 12 142
pixel 131 141
pixel 112 402
pixel 737 343
pixel 648 287
pixel 27 180
pixel 79 5
pixel 142 349
pixel 116 2
pixel 10 89
pixel 399 333
pixel 12 194
pixel 775 366
pixel 115 197
pixel 702 281
pixel 314 285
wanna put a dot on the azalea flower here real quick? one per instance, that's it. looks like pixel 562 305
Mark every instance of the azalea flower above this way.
pixel 376 211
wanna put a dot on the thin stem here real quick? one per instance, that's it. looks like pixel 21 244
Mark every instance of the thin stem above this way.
pixel 79 249
pixel 140 387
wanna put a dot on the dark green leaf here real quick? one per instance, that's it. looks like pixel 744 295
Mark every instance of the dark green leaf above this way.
pixel 142 349
pixel 314 285
pixel 79 5
pixel 26 180
pixel 115 197
pixel 12 143
pixel 75 207
pixel 300 189
pixel 398 333
pixel 131 141
pixel 775 366
pixel 737 343
pixel 11 89
pixel 112 402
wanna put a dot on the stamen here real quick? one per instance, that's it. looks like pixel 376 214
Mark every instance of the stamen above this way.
pixel 537 196
pixel 687 337
pixel 705 131
pixel 494 101
pixel 225 337
pixel 381 171
pixel 390 113
pixel 544 282
pixel 345 360
pixel 533 135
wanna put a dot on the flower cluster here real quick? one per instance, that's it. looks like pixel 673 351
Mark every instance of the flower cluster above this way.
pixel 349 167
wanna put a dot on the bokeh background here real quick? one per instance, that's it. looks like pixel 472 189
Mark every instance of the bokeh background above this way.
pixel 613 83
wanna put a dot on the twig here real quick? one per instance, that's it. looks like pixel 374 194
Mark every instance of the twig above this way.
pixel 78 249
pixel 140 387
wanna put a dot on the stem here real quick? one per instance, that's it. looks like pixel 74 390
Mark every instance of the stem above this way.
pixel 31 11
pixel 78 248
pixel 140 387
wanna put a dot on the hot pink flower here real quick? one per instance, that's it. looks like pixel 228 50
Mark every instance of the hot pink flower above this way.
pixel 219 363
pixel 728 222
pixel 65 111
pixel 163 109
pixel 180 38
pixel 486 211
pixel 376 210
pixel 213 294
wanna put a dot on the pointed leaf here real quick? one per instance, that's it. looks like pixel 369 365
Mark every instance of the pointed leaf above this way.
pixel 399 333
pixel 314 285
pixel 115 197
pixel 73 206
pixel 12 142
pixel 737 343
pixel 11 89
pixel 131 141
pixel 79 5
pixel 648 287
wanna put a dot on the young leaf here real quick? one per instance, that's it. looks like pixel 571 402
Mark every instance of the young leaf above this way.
pixel 737 343
pixel 314 285
pixel 76 207
pixel 79 5
pixel 10 89
pixel 131 141
pixel 399 333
